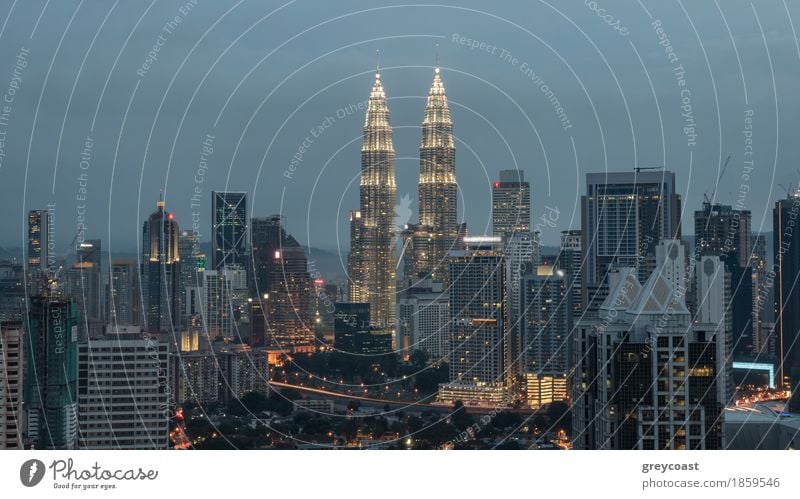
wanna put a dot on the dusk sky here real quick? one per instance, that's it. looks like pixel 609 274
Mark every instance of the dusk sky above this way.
pixel 254 78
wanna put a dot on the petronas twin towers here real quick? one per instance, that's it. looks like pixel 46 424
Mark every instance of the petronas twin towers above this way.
pixel 374 229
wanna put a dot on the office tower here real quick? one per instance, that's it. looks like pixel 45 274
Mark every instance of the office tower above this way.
pixel 354 334
pixel 722 231
pixel 229 228
pixel 437 231
pixel 511 203
pixel 39 252
pixel 12 291
pixel 51 372
pixel 85 287
pixel 713 282
pixel 762 292
pixel 521 250
pixel 11 381
pixel 786 258
pixel 123 391
pixel 372 244
pixel 125 300
pixel 291 314
pixel 423 316
pixel 479 351
pixel 190 271
pixel 349 320
pixel 160 272
pixel 266 237
pixel 647 377
pixel 325 297
pixel 546 324
pixel 222 294
pixel 623 217
pixel 356 285
pixel 258 322
pixel 570 260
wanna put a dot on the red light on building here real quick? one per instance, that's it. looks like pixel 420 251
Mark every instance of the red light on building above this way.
pixel 496 185
pixel 319 281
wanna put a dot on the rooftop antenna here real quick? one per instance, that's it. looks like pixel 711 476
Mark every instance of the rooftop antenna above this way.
pixel 377 63
pixel 437 57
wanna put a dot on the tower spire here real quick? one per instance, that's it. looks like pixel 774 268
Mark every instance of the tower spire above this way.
pixel 437 58
pixel 377 63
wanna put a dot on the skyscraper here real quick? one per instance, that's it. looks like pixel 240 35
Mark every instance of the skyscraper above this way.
pixel 290 316
pixel 623 217
pixel 787 292
pixel 423 320
pixel 570 260
pixel 646 376
pixel 123 391
pixel 85 287
pixel 190 272
pixel 266 237
pixel 372 244
pixel 722 231
pixel 160 274
pixel 480 353
pixel 511 203
pixel 11 381
pixel 13 297
pixel 229 228
pixel 51 372
pixel 38 240
pixel 125 300
pixel 437 231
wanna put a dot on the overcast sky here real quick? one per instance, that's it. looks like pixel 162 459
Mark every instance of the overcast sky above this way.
pixel 258 76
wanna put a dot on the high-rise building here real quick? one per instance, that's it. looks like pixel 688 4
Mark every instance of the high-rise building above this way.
pixel 623 217
pixel 570 260
pixel 160 273
pixel 546 321
pixel 762 293
pixel 354 334
pixel 646 376
pixel 51 372
pixel 39 231
pixel 722 231
pixel 223 295
pixel 191 271
pixel 123 391
pixel 437 232
pixel 85 287
pixel 479 351
pixel 125 300
pixel 521 251
pixel 290 305
pixel 11 380
pixel 266 237
pixel 372 244
pixel 511 203
pixel 786 258
pixel 229 228
pixel 13 297
pixel 423 316
pixel 226 373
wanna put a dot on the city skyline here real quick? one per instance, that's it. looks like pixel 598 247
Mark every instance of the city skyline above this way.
pixel 588 245
pixel 407 62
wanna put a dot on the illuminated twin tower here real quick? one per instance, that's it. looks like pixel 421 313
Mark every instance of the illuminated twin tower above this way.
pixel 376 227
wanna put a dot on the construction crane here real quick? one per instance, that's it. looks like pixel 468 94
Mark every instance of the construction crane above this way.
pixel 716 185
